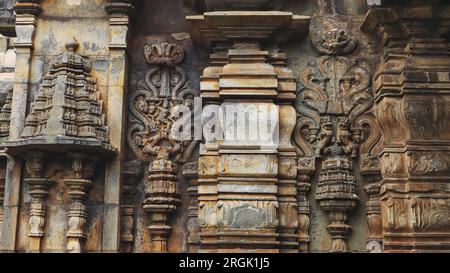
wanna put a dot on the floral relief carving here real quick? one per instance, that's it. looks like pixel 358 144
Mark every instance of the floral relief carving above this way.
pixel 333 122
pixel 160 132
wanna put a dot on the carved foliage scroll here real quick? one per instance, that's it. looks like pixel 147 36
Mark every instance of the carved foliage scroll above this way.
pixel 334 125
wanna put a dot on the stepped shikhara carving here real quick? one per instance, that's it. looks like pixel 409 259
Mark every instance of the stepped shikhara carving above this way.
pixel 68 91
pixel 336 93
pixel 66 117
pixel 412 108
pixel 161 132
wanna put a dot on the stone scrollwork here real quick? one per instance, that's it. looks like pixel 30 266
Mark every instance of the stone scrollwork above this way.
pixel 161 132
pixel 156 106
pixel 335 95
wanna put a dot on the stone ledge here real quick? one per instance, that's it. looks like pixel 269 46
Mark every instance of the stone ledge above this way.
pixel 59 144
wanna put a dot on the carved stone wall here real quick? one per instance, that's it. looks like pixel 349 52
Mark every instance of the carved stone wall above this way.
pixel 224 126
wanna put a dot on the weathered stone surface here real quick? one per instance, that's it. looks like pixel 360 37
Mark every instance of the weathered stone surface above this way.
pixel 302 126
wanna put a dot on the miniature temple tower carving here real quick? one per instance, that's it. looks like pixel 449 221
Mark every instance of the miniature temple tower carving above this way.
pixel 66 120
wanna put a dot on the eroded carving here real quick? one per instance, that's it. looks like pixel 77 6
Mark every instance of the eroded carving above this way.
pixel 336 92
pixel 161 132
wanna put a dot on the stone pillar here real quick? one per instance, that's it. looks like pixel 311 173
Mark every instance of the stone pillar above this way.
pixel 27 12
pixel 39 187
pixel 131 173
pixel 247 167
pixel 412 86
pixel 119 16
pixel 79 184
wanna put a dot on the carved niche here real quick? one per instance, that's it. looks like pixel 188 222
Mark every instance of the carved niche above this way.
pixel 160 132
pixel 66 118
pixel 335 97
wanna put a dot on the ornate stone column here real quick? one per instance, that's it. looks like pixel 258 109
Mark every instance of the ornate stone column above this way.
pixel 412 86
pixel 5 117
pixel 369 150
pixel 131 174
pixel 39 186
pixel 79 184
pixel 247 168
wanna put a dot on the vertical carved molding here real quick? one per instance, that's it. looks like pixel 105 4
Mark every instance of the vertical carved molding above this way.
pixel 190 172
pixel 287 185
pixel 160 133
pixel 306 167
pixel 38 191
pixel 27 12
pixel 79 185
pixel 131 174
pixel 2 189
pixel 370 148
pixel 336 91
pixel 373 214
pixel 412 100
pixel 120 13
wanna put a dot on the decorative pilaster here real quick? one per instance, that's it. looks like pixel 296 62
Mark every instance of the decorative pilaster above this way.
pixel 160 133
pixel 131 174
pixel 412 88
pixel 370 148
pixel 120 14
pixel 247 166
pixel 305 168
pixel 38 191
pixel 336 92
pixel 79 185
